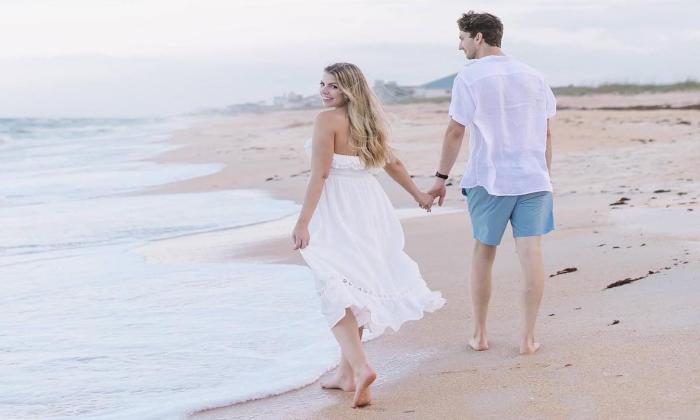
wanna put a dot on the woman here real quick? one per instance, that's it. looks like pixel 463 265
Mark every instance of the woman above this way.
pixel 347 230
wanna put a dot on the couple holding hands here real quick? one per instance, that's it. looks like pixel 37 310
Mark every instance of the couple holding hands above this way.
pixel 347 230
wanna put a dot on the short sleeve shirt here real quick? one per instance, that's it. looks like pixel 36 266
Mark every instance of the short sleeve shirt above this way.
pixel 506 105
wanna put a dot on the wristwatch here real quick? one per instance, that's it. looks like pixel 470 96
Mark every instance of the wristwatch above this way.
pixel 439 175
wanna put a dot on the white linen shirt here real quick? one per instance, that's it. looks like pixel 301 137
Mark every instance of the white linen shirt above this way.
pixel 505 104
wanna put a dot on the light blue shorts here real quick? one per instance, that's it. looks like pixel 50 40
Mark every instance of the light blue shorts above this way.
pixel 529 214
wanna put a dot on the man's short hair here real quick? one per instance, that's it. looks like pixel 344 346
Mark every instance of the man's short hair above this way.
pixel 489 25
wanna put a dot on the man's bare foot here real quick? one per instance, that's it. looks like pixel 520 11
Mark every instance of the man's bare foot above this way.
pixel 479 343
pixel 363 380
pixel 529 347
pixel 341 379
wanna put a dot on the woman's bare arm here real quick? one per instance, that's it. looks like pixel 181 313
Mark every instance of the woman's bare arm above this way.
pixel 321 157
pixel 397 171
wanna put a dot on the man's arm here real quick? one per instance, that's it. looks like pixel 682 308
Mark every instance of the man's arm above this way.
pixel 548 151
pixel 451 144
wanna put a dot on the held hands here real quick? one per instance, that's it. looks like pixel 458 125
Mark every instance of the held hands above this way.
pixel 300 236
pixel 425 200
pixel 438 190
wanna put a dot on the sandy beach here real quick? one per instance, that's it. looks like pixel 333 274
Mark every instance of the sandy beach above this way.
pixel 627 210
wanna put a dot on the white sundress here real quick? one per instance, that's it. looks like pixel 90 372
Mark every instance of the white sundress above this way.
pixel 356 253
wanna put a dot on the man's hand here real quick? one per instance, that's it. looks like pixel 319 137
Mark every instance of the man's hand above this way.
pixel 438 190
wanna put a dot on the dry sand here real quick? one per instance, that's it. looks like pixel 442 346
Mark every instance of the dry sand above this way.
pixel 631 351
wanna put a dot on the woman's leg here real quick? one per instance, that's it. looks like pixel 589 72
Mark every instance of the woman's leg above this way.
pixel 343 377
pixel 346 333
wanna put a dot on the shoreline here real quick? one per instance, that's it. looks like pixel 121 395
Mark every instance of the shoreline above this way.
pixel 589 365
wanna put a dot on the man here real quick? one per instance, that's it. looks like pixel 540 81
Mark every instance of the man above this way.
pixel 507 107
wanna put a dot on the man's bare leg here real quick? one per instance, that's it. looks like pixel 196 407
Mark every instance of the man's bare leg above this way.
pixel 480 286
pixel 532 264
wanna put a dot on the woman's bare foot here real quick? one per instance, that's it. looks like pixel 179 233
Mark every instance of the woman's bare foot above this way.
pixel 479 343
pixel 341 379
pixel 529 347
pixel 363 380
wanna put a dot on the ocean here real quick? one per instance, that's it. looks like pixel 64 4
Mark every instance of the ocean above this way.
pixel 90 329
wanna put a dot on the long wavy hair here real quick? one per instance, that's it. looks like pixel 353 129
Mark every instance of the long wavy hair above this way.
pixel 368 128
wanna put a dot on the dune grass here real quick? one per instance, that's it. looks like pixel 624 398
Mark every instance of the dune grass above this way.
pixel 627 88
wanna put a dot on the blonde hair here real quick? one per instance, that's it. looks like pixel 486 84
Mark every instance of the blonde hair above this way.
pixel 368 130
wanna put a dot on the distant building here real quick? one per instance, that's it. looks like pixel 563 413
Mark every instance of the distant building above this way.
pixel 246 107
pixel 288 101
pixel 296 101
pixel 391 92
pixel 388 92
pixel 312 101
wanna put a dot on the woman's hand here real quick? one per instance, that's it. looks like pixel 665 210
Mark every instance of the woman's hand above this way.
pixel 300 236
pixel 424 200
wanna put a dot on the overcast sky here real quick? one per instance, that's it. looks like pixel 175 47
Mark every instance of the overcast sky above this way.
pixel 157 57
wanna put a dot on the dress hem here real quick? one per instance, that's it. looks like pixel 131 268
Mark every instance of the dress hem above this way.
pixel 366 317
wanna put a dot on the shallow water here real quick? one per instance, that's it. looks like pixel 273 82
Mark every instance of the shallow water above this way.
pixel 90 329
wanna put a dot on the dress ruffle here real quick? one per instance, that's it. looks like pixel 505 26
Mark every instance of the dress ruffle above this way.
pixel 374 310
